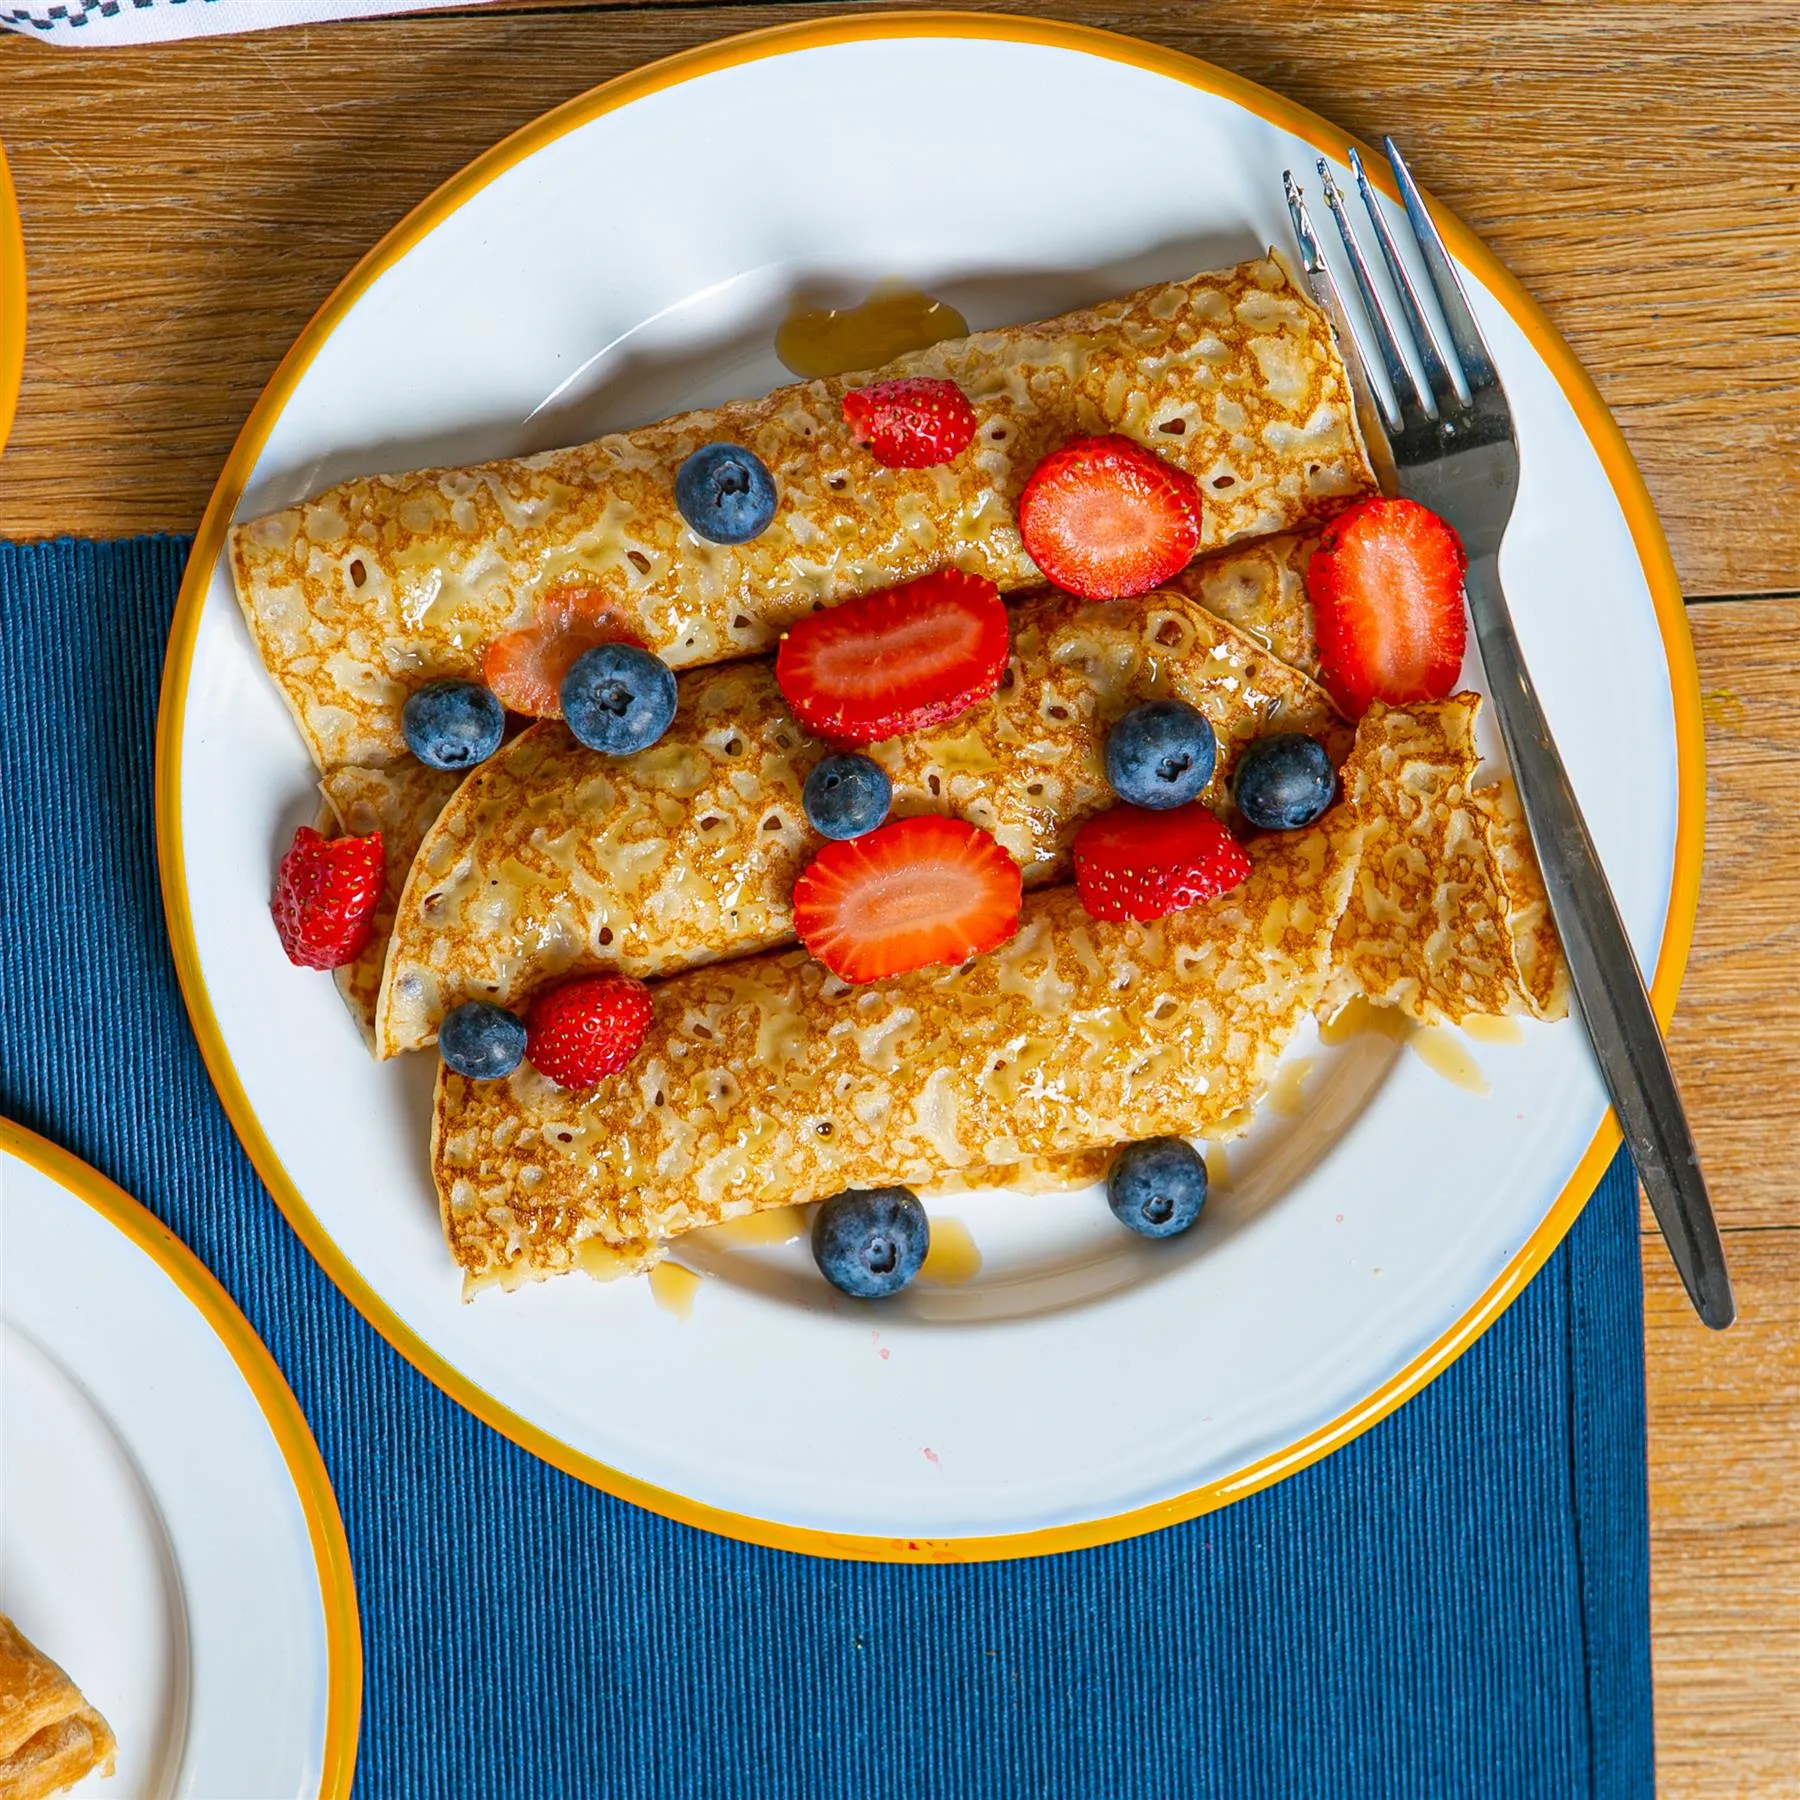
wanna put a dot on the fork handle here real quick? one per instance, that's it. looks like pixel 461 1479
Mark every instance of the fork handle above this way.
pixel 1603 972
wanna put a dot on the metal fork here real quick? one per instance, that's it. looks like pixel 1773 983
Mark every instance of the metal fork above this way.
pixel 1451 436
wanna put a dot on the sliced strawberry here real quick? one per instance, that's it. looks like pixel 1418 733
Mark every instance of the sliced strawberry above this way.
pixel 907 895
pixel 326 892
pixel 912 424
pixel 1386 586
pixel 525 668
pixel 587 1029
pixel 1131 863
pixel 897 660
pixel 1103 517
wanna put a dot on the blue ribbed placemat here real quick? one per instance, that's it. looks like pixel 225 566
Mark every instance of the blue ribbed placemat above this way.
pixel 1457 1604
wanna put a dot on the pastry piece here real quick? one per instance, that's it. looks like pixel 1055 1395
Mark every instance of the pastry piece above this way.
pixel 768 1081
pixel 358 596
pixel 1448 919
pixel 1261 589
pixel 50 1738
pixel 553 860
pixel 402 803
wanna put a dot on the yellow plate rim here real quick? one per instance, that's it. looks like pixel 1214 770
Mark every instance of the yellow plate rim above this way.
pixel 1604 434
pixel 12 299
pixel 293 1437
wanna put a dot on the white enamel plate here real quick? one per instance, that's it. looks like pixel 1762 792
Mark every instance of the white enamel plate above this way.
pixel 168 1534
pixel 632 255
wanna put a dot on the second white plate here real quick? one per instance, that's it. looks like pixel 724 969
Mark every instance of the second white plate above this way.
pixel 168 1535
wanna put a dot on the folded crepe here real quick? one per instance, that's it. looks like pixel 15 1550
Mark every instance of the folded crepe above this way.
pixel 553 860
pixel 1448 919
pixel 1260 588
pixel 50 1738
pixel 767 1081
pixel 356 597
pixel 402 802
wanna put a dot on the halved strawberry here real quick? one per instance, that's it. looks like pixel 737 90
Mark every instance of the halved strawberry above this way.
pixel 911 424
pixel 525 668
pixel 1386 586
pixel 1131 863
pixel 896 660
pixel 1103 517
pixel 907 895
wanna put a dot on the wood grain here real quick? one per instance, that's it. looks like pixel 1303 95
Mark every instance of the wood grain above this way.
pixel 1724 1409
pixel 1725 1527
pixel 186 209
pixel 1736 1035
pixel 1630 158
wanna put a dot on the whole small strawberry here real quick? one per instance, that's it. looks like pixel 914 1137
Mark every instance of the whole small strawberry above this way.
pixel 326 892
pixel 1132 863
pixel 912 424
pixel 587 1029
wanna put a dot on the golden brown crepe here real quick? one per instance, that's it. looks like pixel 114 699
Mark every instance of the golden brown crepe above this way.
pixel 553 860
pixel 1448 919
pixel 1260 588
pixel 356 597
pixel 50 1738
pixel 401 802
pixel 769 1081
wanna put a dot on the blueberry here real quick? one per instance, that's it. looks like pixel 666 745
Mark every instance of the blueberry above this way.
pixel 846 795
pixel 1157 1187
pixel 870 1242
pixel 726 493
pixel 1284 781
pixel 1160 754
pixel 452 724
pixel 618 698
pixel 481 1041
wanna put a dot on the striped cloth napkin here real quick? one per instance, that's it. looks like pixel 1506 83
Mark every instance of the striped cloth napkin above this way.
pixel 109 22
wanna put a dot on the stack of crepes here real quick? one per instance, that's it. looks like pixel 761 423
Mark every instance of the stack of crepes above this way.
pixel 50 1738
pixel 765 1080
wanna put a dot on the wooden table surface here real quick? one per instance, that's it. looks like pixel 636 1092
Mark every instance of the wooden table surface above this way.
pixel 186 208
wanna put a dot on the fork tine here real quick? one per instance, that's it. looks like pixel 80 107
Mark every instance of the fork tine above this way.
pixel 1312 262
pixel 1399 370
pixel 1445 385
pixel 1465 335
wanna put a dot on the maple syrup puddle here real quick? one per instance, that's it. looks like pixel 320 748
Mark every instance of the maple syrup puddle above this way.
pixel 1484 1028
pixel 814 341
pixel 1284 1090
pixel 673 1288
pixel 773 1225
pixel 1441 1050
pixel 1358 1015
pixel 953 1257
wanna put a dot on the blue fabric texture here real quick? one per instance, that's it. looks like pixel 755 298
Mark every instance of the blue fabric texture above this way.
pixel 1456 1604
